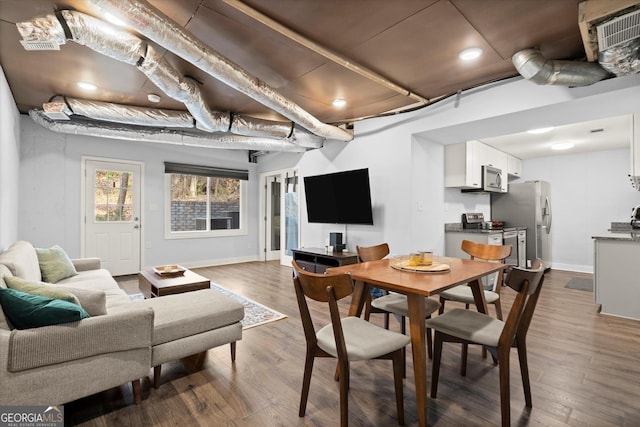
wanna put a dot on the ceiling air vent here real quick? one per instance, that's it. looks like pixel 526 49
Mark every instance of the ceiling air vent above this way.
pixel 40 45
pixel 619 30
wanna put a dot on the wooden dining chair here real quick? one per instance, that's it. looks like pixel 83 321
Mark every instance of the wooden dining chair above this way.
pixel 393 303
pixel 471 327
pixel 463 293
pixel 348 339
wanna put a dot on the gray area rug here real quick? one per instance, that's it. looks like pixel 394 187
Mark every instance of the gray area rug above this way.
pixel 580 284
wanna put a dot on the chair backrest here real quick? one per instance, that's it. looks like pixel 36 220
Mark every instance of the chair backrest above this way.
pixel 372 253
pixel 323 288
pixel 483 251
pixel 527 284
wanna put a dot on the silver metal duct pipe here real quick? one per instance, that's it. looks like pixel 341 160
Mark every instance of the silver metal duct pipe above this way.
pixel 125 47
pixel 533 66
pixel 126 114
pixel 121 45
pixel 153 24
pixel 187 137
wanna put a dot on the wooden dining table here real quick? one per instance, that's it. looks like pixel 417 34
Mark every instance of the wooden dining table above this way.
pixel 416 286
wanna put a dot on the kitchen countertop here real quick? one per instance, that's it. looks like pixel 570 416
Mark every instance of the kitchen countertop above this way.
pixel 457 228
pixel 633 236
pixel 619 231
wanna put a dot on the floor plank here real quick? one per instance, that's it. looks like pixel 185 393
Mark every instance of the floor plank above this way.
pixel 584 367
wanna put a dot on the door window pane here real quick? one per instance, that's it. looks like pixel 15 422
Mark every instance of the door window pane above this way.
pixel 113 196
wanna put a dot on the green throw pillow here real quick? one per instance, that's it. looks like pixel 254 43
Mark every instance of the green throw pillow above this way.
pixel 55 264
pixel 26 311
pixel 37 289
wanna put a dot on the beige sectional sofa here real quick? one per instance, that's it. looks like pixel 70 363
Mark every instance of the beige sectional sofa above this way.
pixel 119 343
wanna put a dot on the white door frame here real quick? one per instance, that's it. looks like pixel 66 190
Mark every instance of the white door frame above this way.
pixel 282 173
pixel 83 225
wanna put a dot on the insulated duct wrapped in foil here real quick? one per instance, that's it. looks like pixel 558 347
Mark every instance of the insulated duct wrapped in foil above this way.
pixel 156 26
pixel 122 46
pixel 141 116
pixel 622 60
pixel 187 137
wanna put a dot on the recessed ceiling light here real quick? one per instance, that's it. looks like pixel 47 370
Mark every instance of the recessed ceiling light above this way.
pixel 470 54
pixel 562 146
pixel 339 102
pixel 540 130
pixel 152 97
pixel 87 86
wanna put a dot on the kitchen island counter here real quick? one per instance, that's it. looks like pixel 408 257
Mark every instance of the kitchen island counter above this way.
pixel 616 273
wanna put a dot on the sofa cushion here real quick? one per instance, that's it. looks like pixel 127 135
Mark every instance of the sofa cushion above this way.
pixel 55 264
pixel 4 272
pixel 26 311
pixel 92 300
pixel 38 288
pixel 182 315
pixel 22 261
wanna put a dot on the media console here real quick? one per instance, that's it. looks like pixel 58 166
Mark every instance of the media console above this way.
pixel 317 260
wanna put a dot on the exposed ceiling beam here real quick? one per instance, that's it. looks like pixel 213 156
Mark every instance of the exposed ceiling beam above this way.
pixel 321 50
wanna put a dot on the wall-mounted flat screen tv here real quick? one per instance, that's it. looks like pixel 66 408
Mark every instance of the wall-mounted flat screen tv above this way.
pixel 339 198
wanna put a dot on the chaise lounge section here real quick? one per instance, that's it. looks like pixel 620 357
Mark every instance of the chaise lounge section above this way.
pixel 118 343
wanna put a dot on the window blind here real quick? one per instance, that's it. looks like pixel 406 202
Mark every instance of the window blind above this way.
pixel 182 168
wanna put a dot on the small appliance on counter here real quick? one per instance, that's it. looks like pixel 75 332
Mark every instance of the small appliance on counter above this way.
pixel 473 221
pixel 635 217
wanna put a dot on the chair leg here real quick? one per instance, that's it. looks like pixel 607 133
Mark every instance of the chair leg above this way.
pixel 344 394
pixel 437 356
pixel 398 371
pixel 441 309
pixel 233 351
pixel 505 396
pixel 367 308
pixel 524 372
pixel 156 376
pixel 403 330
pixel 463 359
pixel 429 343
pixel 137 393
pixel 306 382
pixel 386 321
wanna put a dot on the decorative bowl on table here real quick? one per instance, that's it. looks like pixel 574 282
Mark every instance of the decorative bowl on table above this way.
pixel 169 270
pixel 410 263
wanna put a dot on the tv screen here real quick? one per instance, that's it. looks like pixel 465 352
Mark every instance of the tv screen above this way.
pixel 339 198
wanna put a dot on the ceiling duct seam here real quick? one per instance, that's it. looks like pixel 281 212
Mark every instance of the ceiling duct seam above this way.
pixel 532 65
pixel 156 26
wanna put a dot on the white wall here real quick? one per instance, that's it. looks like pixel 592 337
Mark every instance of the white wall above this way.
pixel 9 165
pixel 50 186
pixel 588 192
pixel 405 157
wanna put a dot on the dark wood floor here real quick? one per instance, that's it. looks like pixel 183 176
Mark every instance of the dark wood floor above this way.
pixel 585 371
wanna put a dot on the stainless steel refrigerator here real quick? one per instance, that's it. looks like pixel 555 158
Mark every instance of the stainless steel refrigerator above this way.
pixel 527 204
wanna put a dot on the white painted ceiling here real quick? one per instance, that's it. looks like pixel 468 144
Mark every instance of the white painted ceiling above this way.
pixel 596 135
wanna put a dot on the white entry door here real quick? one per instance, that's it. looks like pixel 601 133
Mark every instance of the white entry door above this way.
pixel 112 214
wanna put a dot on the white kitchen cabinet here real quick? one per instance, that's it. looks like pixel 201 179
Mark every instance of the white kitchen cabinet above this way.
pixel 514 166
pixel 616 272
pixel 464 161
pixel 463 165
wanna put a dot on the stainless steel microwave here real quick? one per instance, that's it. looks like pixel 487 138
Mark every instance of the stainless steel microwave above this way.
pixel 491 179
